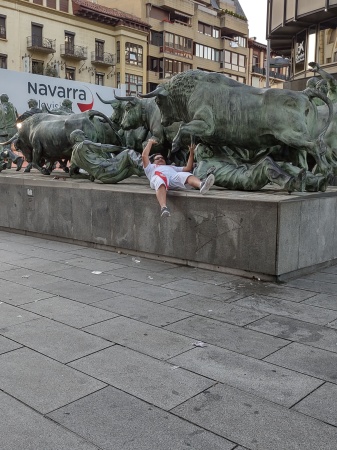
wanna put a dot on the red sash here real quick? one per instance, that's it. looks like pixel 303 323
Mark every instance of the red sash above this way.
pixel 160 175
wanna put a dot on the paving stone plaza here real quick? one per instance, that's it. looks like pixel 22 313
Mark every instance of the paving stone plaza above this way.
pixel 103 350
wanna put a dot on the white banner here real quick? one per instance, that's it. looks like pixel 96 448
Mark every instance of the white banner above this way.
pixel 20 87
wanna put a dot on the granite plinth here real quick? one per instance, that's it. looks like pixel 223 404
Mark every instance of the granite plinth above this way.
pixel 268 234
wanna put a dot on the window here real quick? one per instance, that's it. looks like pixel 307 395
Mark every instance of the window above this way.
pixel 311 52
pixel 51 4
pixel 99 50
pixel 70 73
pixel 2 27
pixel 208 30
pixel 38 2
pixel 241 41
pixel 134 54
pixel 3 61
pixel 36 35
pixel 234 61
pixel 99 79
pixel 180 18
pixel 215 32
pixel 178 45
pixel 256 82
pixel 207 52
pixel 325 42
pixel 157 65
pixel 118 52
pixel 172 67
pixel 158 13
pixel 182 43
pixel 64 5
pixel 156 38
pixel 255 60
pixel 37 67
pixel 69 40
pixel 236 77
pixel 134 84
pixel 169 40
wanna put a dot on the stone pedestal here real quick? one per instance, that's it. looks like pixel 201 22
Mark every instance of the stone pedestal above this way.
pixel 268 234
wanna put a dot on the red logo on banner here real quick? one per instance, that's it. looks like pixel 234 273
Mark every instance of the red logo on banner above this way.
pixel 85 106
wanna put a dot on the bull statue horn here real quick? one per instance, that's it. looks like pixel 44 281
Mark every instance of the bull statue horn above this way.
pixel 160 90
pixel 130 98
pixel 107 102
pixel 16 135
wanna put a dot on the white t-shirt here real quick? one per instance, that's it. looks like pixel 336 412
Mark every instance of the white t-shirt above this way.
pixel 173 177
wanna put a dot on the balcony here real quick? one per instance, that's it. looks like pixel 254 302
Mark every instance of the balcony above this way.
pixel 208 16
pixel 259 70
pixel 41 45
pixel 75 52
pixel 176 28
pixel 103 59
pixel 233 25
pixel 183 6
pixel 183 53
pixel 272 73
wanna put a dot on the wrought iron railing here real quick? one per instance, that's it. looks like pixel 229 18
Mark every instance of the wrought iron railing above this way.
pixel 272 73
pixel 73 51
pixel 43 44
pixel 106 59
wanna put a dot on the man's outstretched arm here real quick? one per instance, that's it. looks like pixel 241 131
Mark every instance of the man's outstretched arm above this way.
pixel 315 67
pixel 146 152
pixel 190 161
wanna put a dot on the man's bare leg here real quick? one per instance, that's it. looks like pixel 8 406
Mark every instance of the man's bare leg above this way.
pixel 193 181
pixel 161 195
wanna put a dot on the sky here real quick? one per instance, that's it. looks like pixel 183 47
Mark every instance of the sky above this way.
pixel 256 12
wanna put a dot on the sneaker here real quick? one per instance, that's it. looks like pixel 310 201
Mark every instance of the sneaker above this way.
pixel 165 212
pixel 207 184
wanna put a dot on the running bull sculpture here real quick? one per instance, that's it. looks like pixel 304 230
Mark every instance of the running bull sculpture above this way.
pixel 132 138
pixel 45 137
pixel 223 112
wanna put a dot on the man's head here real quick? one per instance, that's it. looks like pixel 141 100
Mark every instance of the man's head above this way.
pixel 32 103
pixel 77 136
pixel 4 98
pixel 311 82
pixel 322 86
pixel 158 159
pixel 202 152
pixel 67 103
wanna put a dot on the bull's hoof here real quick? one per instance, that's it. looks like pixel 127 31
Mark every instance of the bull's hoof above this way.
pixel 45 171
pixel 27 170
pixel 19 162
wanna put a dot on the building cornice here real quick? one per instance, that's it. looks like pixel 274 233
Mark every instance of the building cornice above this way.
pixel 109 16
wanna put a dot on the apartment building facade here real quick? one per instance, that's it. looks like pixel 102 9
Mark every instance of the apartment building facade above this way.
pixel 258 76
pixel 140 47
pixel 72 39
pixel 304 31
pixel 210 35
